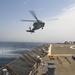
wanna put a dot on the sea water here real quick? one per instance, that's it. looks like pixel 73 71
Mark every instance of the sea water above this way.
pixel 9 51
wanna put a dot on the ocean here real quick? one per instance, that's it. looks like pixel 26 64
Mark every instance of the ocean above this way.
pixel 9 51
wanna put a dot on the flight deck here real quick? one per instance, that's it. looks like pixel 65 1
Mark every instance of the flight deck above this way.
pixel 64 63
pixel 57 59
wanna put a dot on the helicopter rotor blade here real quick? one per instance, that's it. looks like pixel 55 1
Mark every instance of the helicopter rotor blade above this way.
pixel 33 13
pixel 48 19
pixel 28 20
pixel 53 19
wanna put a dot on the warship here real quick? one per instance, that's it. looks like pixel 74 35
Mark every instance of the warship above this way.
pixel 57 59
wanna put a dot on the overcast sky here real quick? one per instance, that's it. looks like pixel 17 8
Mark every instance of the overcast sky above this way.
pixel 60 30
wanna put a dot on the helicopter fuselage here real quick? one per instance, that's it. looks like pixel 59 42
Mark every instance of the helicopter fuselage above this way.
pixel 38 25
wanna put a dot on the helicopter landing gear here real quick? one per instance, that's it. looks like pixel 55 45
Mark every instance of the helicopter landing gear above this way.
pixel 42 28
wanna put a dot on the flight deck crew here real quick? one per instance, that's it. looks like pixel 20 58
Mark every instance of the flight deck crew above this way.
pixel 5 72
pixel 39 59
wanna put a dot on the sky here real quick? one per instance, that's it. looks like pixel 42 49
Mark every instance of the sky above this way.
pixel 61 29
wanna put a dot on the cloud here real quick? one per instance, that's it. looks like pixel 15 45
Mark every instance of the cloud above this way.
pixel 63 28
pixel 69 8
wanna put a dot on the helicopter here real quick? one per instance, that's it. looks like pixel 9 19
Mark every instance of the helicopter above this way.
pixel 37 24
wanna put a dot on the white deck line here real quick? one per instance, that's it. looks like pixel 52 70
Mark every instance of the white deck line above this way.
pixel 49 51
pixel 63 54
pixel 72 47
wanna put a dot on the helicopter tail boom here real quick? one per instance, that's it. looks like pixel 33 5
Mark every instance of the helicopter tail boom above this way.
pixel 30 31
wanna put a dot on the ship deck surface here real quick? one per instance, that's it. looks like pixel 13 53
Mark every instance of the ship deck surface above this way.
pixel 64 63
pixel 62 53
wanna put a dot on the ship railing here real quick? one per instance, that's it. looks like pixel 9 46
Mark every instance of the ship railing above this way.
pixel 34 71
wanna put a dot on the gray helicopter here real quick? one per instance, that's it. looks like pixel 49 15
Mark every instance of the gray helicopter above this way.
pixel 37 24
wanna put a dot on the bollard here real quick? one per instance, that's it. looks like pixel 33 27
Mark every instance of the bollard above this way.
pixel 51 69
pixel 50 62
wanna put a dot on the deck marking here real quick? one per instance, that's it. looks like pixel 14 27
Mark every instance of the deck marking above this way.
pixel 72 47
pixel 63 54
pixel 49 51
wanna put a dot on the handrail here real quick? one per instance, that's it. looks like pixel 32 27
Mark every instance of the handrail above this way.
pixel 10 70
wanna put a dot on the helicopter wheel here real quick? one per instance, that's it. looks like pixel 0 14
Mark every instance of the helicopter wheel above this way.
pixel 42 28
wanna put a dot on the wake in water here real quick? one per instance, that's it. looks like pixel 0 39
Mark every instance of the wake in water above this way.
pixel 8 54
pixel 12 50
pixel 12 53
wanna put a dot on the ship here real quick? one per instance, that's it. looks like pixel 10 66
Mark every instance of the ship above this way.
pixel 57 59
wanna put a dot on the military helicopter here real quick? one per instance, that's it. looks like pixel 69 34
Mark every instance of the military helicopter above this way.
pixel 37 24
